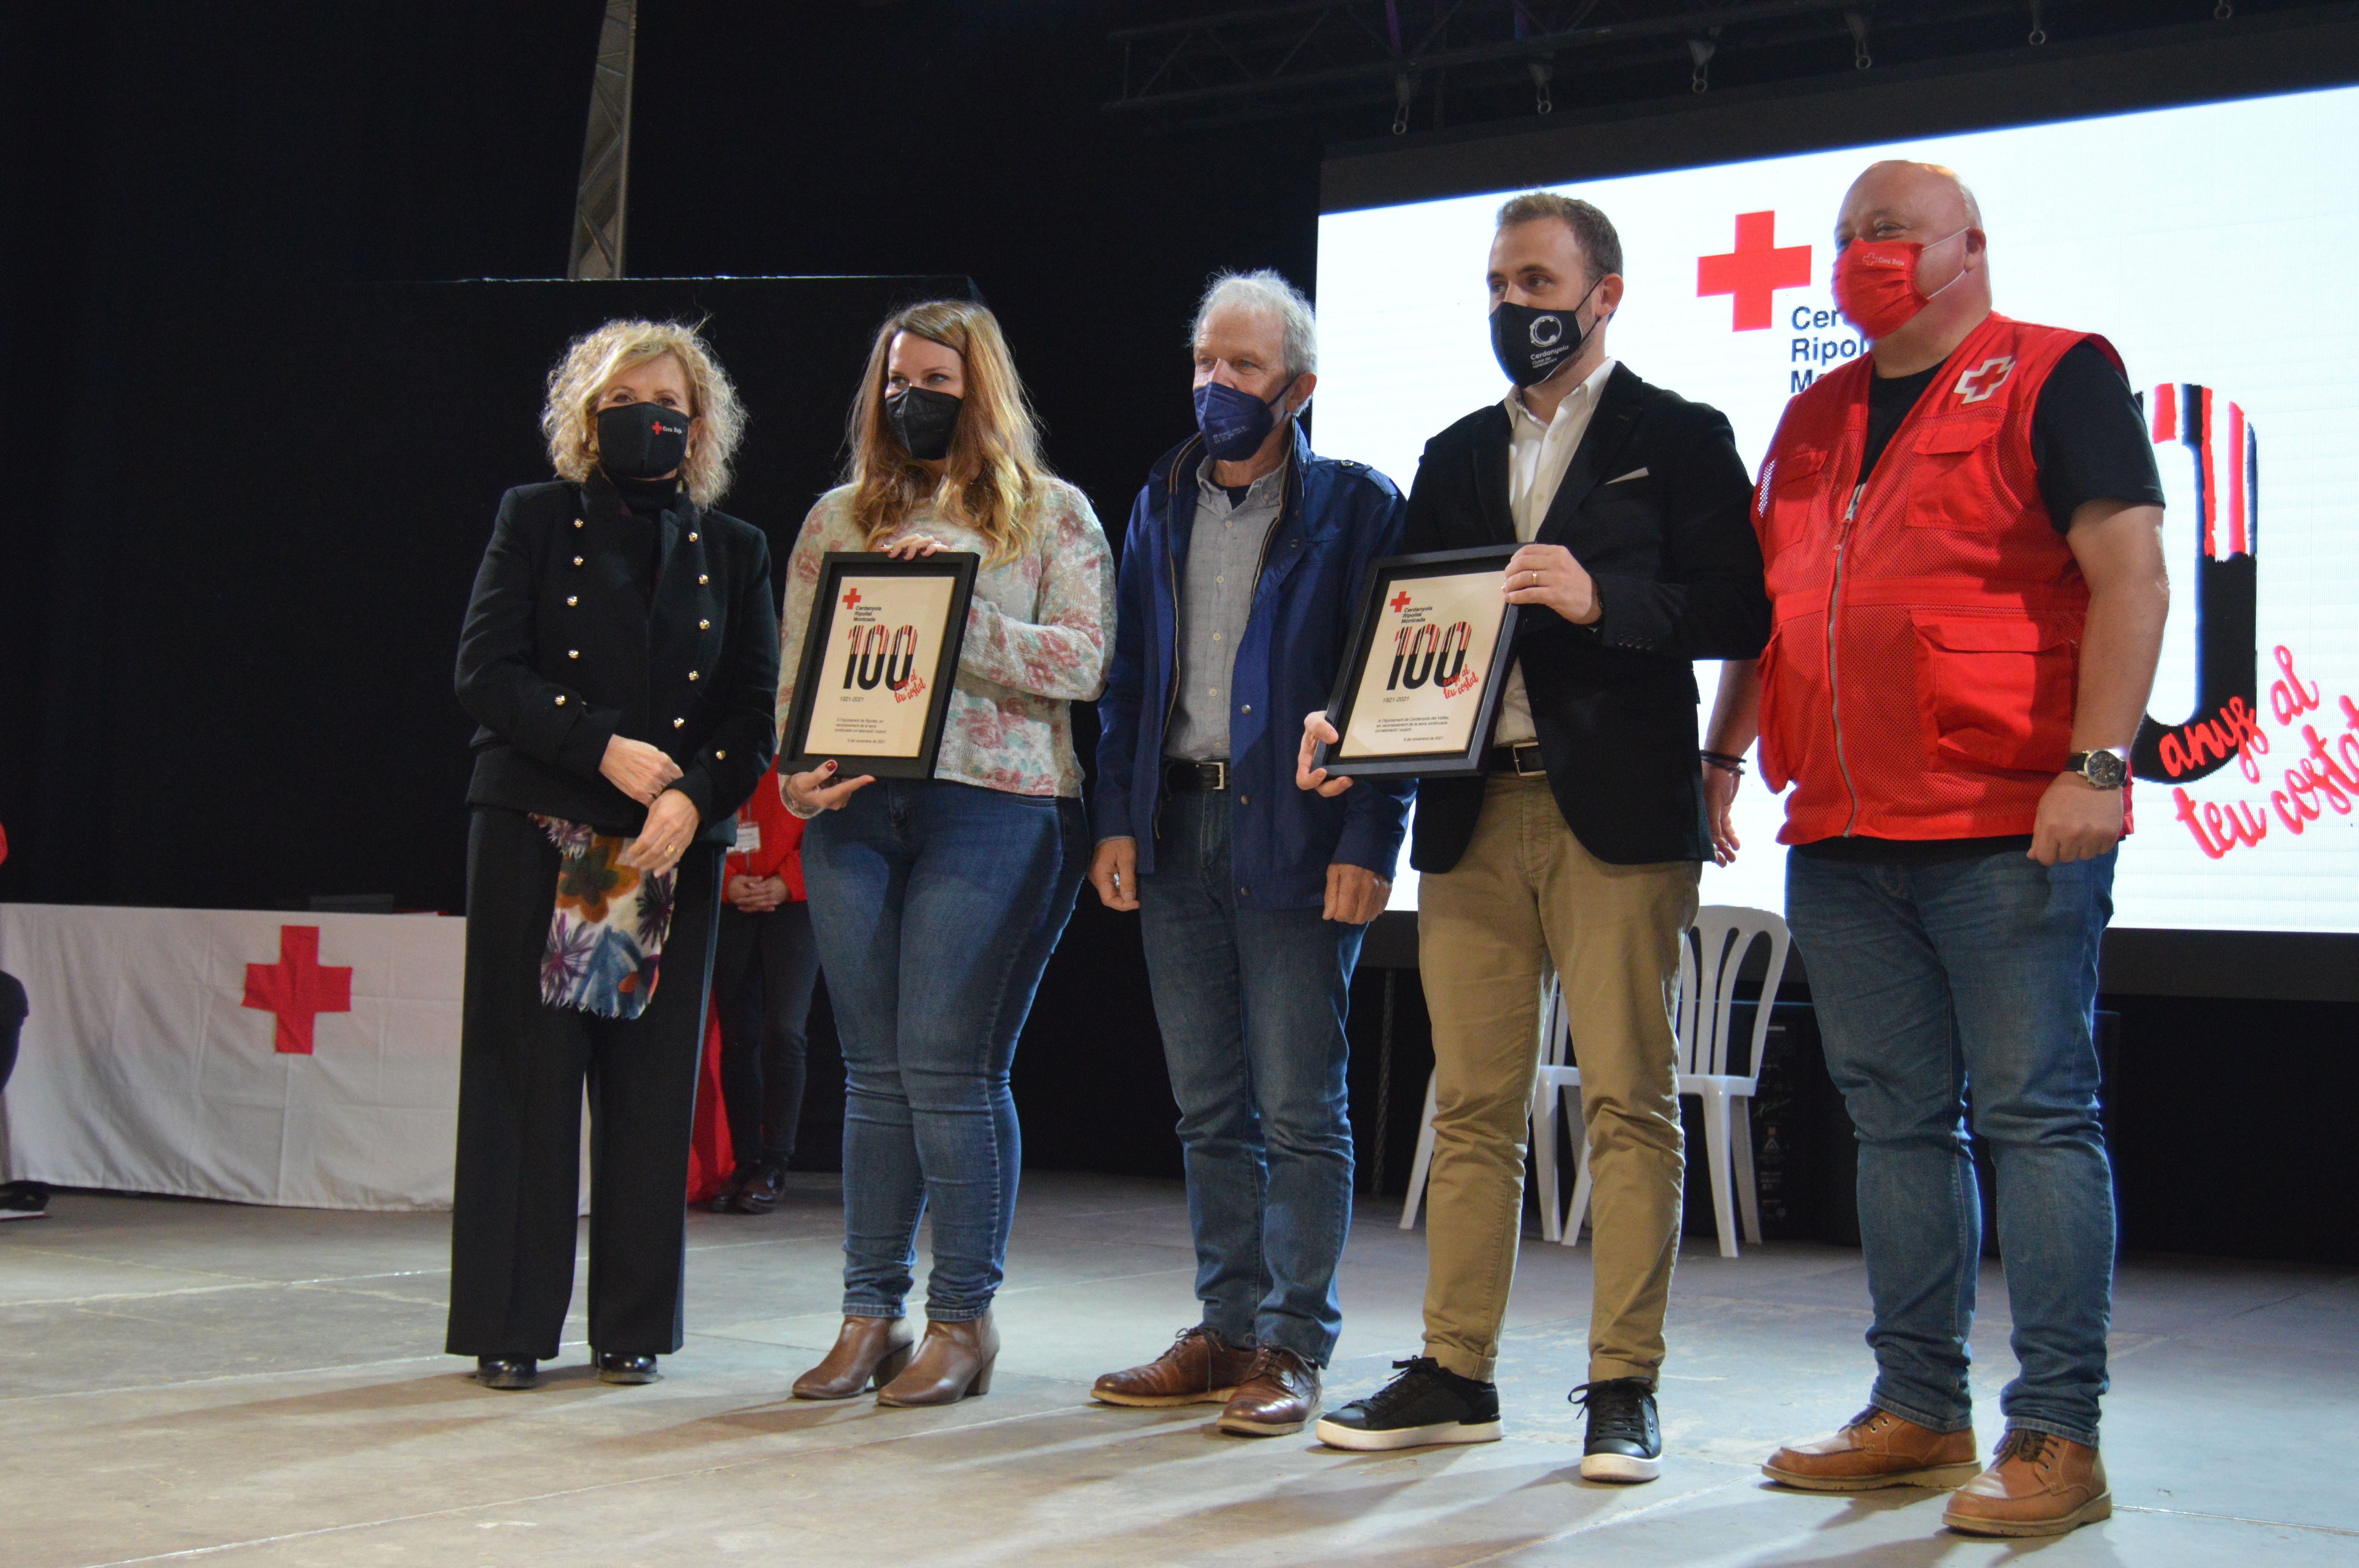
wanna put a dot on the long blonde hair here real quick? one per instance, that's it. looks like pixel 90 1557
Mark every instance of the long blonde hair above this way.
pixel 993 471
pixel 570 418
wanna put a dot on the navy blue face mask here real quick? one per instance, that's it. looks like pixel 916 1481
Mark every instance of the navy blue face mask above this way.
pixel 1235 423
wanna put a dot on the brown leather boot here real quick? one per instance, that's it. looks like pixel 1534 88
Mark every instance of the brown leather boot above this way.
pixel 1199 1369
pixel 868 1350
pixel 952 1363
pixel 1876 1448
pixel 2038 1483
pixel 1279 1394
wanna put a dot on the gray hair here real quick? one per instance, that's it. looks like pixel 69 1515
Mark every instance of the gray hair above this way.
pixel 1266 293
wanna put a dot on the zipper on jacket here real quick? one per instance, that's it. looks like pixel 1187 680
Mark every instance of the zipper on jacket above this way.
pixel 1834 691
pixel 1171 702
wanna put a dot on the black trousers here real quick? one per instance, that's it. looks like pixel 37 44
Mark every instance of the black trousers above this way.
pixel 14 1011
pixel 764 969
pixel 522 1068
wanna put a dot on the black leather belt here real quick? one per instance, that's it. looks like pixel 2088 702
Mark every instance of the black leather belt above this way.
pixel 1522 760
pixel 1187 778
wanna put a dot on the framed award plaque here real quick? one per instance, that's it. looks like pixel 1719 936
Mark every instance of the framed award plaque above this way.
pixel 1418 692
pixel 878 659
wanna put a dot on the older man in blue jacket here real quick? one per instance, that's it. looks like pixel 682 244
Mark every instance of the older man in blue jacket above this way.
pixel 1239 576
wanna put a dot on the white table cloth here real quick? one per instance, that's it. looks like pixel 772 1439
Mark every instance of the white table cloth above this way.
pixel 144 1070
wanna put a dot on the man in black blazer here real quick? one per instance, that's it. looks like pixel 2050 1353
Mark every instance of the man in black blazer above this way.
pixel 1578 853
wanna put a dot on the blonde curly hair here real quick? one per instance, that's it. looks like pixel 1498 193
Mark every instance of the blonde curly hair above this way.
pixel 570 418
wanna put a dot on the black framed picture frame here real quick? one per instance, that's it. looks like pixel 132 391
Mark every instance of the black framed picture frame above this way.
pixel 878 659
pixel 1418 692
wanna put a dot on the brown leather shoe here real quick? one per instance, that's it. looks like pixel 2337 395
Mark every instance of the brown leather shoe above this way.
pixel 1876 1448
pixel 867 1349
pixel 1278 1395
pixel 2038 1483
pixel 952 1363
pixel 1199 1369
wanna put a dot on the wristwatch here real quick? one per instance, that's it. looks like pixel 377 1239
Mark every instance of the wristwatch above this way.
pixel 2108 769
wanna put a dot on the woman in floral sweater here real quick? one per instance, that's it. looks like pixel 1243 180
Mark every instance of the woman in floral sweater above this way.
pixel 937 902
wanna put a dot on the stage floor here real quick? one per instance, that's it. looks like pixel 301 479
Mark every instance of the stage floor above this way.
pixel 193 1381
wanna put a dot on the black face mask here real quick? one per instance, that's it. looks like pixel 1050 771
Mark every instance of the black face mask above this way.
pixel 1534 344
pixel 924 420
pixel 641 441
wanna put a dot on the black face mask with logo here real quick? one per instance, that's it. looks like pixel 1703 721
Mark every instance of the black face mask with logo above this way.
pixel 641 441
pixel 1533 344
pixel 925 420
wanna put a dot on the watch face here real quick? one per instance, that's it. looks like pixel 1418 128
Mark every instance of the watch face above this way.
pixel 2105 770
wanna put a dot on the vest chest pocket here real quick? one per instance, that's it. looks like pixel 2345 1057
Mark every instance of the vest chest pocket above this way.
pixel 1953 480
pixel 1996 691
pixel 1788 489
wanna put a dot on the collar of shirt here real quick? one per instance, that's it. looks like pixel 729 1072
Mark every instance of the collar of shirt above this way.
pixel 1537 454
pixel 1263 491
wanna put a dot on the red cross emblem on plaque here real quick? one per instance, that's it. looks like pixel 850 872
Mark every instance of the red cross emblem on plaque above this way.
pixel 1397 602
pixel 297 989
pixel 851 600
pixel 1754 271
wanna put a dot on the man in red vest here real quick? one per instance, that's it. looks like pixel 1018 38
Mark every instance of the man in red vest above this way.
pixel 1961 531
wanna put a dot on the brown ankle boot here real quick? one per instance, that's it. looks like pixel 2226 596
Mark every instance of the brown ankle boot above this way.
pixel 868 1350
pixel 2038 1483
pixel 1874 1449
pixel 952 1363
pixel 1199 1369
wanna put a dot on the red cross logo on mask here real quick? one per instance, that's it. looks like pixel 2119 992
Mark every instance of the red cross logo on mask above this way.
pixel 1397 602
pixel 851 600
pixel 1754 271
pixel 297 989
pixel 1978 384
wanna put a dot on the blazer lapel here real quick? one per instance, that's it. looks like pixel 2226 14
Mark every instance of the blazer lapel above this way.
pixel 1609 431
pixel 1498 521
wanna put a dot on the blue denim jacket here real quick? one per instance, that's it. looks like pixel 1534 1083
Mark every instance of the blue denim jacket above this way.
pixel 1338 517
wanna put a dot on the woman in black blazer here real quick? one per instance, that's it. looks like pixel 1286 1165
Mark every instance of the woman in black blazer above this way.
pixel 621 656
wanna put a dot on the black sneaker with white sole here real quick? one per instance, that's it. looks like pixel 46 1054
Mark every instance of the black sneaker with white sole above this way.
pixel 1624 1441
pixel 1427 1403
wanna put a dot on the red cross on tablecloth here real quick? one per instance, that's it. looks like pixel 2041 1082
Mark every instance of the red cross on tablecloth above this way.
pixel 1754 271
pixel 297 989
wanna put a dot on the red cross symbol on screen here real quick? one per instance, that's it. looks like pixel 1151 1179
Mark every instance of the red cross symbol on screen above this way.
pixel 297 989
pixel 851 600
pixel 1754 271
pixel 1397 602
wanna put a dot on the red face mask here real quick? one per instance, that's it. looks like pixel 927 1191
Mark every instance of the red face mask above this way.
pixel 1875 284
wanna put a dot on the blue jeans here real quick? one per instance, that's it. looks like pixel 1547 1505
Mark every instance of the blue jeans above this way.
pixel 1251 1003
pixel 936 906
pixel 1933 982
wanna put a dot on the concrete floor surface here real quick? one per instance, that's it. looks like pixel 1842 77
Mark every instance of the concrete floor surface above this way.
pixel 185 1381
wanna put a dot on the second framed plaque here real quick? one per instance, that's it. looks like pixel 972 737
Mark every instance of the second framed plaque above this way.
pixel 1419 688
pixel 879 657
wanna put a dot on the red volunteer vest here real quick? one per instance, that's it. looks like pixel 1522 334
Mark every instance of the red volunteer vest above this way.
pixel 1920 679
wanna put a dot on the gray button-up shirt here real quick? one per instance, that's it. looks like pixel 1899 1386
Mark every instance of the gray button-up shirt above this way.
pixel 1225 552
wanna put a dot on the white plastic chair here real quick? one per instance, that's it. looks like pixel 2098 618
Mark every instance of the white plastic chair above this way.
pixel 1709 960
pixel 1552 1044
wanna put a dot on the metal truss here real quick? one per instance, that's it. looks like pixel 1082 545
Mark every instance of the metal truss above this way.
pixel 1297 54
pixel 601 198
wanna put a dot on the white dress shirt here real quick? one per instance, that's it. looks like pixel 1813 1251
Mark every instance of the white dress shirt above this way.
pixel 1537 454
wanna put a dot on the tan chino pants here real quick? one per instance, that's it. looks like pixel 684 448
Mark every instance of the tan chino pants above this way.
pixel 1525 901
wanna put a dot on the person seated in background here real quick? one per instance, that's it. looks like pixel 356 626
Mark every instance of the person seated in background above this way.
pixel 764 966
pixel 1576 859
pixel 937 902
pixel 620 654
pixel 1237 593
pixel 18 1200
pixel 1966 521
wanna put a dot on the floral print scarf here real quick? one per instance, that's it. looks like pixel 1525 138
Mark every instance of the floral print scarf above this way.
pixel 606 937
